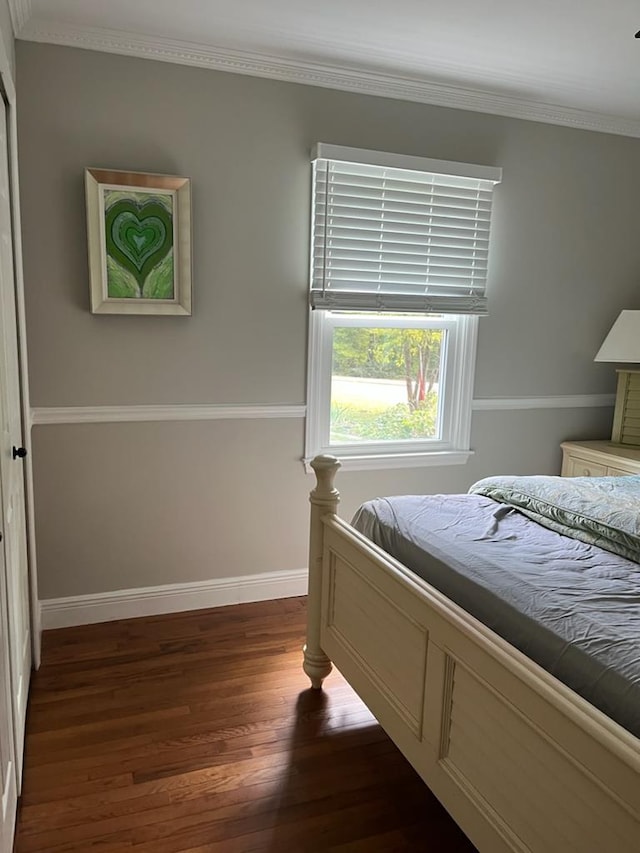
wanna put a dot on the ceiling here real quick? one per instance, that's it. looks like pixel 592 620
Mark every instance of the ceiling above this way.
pixel 570 62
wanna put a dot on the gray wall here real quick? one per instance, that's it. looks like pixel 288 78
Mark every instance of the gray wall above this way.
pixel 131 505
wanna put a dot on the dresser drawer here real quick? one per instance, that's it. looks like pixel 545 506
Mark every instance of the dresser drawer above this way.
pixel 577 467
pixel 599 459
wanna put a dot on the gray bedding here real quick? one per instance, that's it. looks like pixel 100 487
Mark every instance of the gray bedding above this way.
pixel 601 511
pixel 570 606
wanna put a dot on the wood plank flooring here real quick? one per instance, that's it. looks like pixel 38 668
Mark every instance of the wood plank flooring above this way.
pixel 195 733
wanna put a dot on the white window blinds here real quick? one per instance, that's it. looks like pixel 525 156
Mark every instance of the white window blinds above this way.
pixel 393 233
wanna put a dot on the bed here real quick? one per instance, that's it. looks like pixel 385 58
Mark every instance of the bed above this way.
pixel 520 760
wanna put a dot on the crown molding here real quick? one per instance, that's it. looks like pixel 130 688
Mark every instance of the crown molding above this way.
pixel 20 11
pixel 313 74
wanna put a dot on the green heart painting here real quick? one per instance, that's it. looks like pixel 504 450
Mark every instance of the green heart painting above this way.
pixel 139 244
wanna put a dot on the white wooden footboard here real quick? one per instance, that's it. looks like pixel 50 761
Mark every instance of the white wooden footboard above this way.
pixel 519 760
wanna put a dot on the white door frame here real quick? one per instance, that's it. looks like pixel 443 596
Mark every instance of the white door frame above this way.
pixel 6 80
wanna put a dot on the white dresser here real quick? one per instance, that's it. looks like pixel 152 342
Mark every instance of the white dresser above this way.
pixel 599 459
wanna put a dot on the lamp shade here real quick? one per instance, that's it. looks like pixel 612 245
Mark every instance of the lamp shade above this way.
pixel 622 344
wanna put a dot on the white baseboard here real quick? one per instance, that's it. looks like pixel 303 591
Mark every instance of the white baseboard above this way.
pixel 171 598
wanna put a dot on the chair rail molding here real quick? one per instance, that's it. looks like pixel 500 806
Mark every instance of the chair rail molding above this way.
pixel 232 411
pixel 571 401
pixel 179 412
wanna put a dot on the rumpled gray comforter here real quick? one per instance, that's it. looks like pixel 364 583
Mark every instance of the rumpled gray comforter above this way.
pixel 569 605
pixel 604 511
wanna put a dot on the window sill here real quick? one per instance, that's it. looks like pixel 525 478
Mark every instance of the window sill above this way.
pixel 379 461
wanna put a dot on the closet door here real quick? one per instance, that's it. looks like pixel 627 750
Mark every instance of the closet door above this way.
pixel 12 510
pixel 8 779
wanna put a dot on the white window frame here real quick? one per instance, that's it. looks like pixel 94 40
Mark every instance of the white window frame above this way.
pixel 438 305
pixel 456 384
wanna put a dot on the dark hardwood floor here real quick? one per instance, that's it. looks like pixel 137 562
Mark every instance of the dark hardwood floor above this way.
pixel 196 732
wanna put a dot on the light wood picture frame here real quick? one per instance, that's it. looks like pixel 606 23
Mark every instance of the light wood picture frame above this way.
pixel 139 242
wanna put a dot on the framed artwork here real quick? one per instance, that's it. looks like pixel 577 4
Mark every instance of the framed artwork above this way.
pixel 139 239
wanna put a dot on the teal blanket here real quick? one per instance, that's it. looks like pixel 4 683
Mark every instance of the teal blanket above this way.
pixel 602 511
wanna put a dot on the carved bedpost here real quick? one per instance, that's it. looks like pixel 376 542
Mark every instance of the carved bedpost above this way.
pixel 324 499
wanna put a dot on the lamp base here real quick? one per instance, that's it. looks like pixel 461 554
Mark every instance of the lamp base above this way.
pixel 626 416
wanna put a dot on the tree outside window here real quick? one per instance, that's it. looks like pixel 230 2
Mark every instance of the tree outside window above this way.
pixel 385 384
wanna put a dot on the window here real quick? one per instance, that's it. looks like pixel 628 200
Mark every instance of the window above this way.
pixel 398 270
